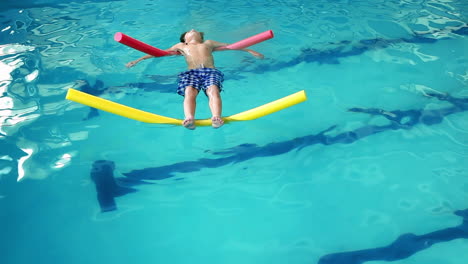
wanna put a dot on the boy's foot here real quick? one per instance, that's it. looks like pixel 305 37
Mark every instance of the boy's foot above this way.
pixel 216 122
pixel 189 123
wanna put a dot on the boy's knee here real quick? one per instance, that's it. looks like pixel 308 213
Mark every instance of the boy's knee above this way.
pixel 213 91
pixel 190 91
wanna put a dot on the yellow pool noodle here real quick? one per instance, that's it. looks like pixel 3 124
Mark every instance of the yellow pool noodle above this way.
pixel 139 115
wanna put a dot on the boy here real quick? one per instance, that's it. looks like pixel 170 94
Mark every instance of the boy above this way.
pixel 202 75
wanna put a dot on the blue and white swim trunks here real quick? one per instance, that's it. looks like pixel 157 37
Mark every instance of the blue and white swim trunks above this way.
pixel 200 79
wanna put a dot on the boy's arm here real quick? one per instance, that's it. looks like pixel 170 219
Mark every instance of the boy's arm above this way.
pixel 175 49
pixel 254 53
pixel 133 63
pixel 216 44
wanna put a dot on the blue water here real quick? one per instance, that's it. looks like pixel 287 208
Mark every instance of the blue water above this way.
pixel 371 168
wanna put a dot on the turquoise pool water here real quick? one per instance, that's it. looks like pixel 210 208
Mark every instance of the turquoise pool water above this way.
pixel 371 168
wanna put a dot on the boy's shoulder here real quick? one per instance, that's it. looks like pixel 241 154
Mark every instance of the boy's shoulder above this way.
pixel 210 42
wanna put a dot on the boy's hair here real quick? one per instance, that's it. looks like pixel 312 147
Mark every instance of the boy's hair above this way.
pixel 182 37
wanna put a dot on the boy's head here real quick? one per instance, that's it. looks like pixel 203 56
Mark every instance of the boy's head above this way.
pixel 189 35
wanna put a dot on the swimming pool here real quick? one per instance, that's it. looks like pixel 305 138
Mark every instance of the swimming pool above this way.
pixel 372 168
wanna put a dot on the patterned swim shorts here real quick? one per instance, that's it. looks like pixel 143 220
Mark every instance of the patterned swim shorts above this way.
pixel 201 78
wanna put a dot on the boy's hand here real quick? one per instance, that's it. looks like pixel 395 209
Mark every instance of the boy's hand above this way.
pixel 131 64
pixel 256 54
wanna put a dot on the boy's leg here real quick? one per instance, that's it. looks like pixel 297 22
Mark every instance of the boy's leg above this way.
pixel 189 107
pixel 216 105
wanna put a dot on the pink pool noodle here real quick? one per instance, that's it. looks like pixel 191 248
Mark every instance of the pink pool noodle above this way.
pixel 248 41
pixel 143 47
pixel 138 45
